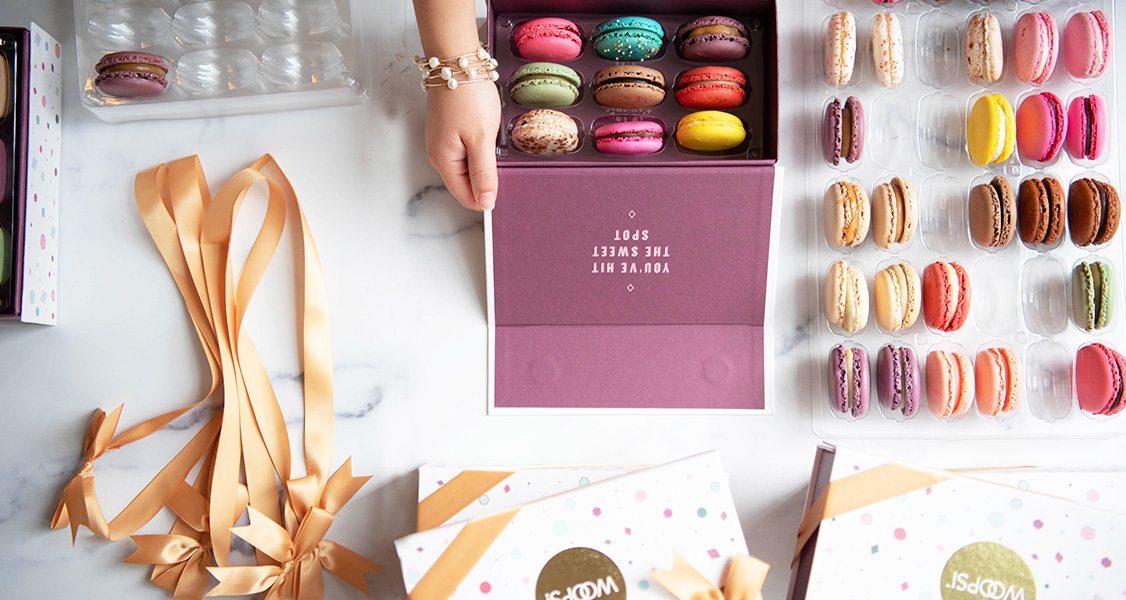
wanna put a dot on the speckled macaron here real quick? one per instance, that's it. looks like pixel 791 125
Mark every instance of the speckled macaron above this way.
pixel 629 38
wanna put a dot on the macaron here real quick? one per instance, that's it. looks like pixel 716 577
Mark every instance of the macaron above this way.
pixel 887 49
pixel 6 255
pixel 1092 295
pixel 950 383
pixel 549 39
pixel 998 381
pixel 993 213
pixel 846 297
pixel 1036 44
pixel 6 86
pixel 1040 211
pixel 629 38
pixel 545 131
pixel 843 131
pixel 1086 44
pixel 131 75
pixel 3 172
pixel 898 385
pixel 897 297
pixel 545 85
pixel 1041 127
pixel 1100 376
pixel 710 131
pixel 629 86
pixel 849 380
pixel 713 39
pixel 840 48
pixel 991 130
pixel 1087 129
pixel 895 213
pixel 705 88
pixel 845 214
pixel 946 296
pixel 1093 212
pixel 984 49
pixel 630 138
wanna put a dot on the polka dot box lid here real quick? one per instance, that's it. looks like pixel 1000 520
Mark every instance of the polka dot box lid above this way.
pixel 636 520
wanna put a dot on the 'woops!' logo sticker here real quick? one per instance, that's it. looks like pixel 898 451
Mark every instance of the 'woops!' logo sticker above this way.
pixel 580 574
pixel 987 571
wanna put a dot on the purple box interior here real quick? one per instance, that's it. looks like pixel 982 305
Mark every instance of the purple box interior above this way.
pixel 758 113
pixel 14 137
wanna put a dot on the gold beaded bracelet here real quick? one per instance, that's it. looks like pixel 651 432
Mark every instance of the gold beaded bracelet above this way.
pixel 473 67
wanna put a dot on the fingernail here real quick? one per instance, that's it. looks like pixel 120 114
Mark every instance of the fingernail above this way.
pixel 487 200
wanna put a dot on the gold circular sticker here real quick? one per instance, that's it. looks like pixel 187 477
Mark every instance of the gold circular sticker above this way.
pixel 987 571
pixel 580 574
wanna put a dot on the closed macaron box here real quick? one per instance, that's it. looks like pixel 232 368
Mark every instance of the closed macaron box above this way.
pixel 635 283
pixel 30 143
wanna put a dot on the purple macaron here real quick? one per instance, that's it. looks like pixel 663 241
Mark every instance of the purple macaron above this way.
pixel 843 133
pixel 131 75
pixel 897 380
pixel 713 39
pixel 849 382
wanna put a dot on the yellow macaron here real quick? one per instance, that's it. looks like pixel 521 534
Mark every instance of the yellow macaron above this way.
pixel 710 131
pixel 991 130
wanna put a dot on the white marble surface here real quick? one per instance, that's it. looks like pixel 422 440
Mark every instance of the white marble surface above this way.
pixel 404 267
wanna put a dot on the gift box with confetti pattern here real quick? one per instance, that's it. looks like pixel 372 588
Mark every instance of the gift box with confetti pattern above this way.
pixel 875 528
pixel 604 538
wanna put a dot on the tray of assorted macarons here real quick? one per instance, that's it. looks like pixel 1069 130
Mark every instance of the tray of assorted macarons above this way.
pixel 963 197
pixel 651 88
pixel 152 59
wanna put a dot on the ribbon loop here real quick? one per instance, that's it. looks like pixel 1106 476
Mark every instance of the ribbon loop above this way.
pixel 743 580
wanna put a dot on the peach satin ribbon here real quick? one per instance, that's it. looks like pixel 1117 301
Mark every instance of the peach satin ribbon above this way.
pixel 247 440
pixel 743 581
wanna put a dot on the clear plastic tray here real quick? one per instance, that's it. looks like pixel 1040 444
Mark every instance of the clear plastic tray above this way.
pixel 1020 295
pixel 225 56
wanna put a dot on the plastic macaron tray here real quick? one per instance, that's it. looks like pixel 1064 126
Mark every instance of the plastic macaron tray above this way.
pixel 589 115
pixel 1020 295
pixel 222 56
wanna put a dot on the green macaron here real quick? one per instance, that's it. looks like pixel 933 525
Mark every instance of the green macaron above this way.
pixel 1092 295
pixel 545 85
pixel 6 255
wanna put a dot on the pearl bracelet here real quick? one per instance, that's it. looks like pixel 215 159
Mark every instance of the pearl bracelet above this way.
pixel 450 72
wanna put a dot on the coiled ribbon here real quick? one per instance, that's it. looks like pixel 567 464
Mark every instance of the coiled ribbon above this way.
pixel 247 440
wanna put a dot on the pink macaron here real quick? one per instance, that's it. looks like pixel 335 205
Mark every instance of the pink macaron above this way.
pixel 131 75
pixel 1036 45
pixel 1086 44
pixel 1087 127
pixel 630 138
pixel 550 39
pixel 1041 127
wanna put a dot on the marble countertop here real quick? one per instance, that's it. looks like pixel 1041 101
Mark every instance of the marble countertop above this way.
pixel 404 268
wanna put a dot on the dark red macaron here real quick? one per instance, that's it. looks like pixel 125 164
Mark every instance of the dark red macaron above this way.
pixel 705 88
pixel 713 39
pixel 131 75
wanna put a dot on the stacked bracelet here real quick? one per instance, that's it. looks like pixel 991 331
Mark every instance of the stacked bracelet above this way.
pixel 451 72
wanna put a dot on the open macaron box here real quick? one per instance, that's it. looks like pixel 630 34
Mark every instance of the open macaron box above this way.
pixel 1021 295
pixel 30 136
pixel 620 284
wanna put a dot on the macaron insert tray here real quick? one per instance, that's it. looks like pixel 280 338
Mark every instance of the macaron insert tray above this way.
pixel 1021 295
pixel 761 142
pixel 224 56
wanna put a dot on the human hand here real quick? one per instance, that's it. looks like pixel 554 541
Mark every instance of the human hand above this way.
pixel 461 134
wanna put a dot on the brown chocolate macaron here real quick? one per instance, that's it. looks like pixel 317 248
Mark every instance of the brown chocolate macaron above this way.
pixel 1093 212
pixel 993 213
pixel 1040 212
pixel 629 86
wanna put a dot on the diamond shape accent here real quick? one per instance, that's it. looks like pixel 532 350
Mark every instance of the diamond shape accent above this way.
pixel 629 287
pixel 632 214
pixel 713 553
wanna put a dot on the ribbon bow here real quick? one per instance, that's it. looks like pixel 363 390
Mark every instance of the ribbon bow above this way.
pixel 79 504
pixel 299 548
pixel 181 557
pixel 743 580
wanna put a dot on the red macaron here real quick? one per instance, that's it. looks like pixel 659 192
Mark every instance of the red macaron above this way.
pixel 946 296
pixel 709 88
pixel 1100 376
pixel 1087 129
pixel 1041 127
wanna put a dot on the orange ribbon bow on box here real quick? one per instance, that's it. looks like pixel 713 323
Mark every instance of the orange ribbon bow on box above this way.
pixel 743 581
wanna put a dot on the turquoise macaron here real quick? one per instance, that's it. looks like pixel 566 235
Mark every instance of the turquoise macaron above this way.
pixel 629 38
pixel 545 85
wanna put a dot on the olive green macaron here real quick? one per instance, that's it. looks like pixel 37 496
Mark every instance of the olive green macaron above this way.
pixel 1092 295
pixel 545 85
